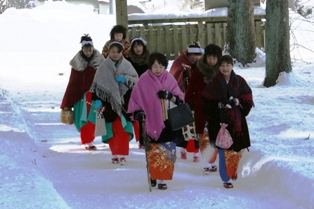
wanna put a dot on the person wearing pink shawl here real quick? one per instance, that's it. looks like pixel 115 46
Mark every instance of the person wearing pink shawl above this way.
pixel 156 84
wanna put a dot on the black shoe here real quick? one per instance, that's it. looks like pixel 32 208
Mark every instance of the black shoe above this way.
pixel 153 183
pixel 162 186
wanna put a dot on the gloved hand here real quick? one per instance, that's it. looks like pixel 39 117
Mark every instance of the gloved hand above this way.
pixel 139 116
pixel 98 103
pixel 233 102
pixel 121 79
pixel 164 94
pixel 221 105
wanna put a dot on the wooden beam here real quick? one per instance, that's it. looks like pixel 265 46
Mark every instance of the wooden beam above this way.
pixel 122 13
pixel 184 20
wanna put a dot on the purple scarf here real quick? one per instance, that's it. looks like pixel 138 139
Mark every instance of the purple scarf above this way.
pixel 144 97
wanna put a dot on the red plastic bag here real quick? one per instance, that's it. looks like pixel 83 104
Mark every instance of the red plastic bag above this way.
pixel 224 139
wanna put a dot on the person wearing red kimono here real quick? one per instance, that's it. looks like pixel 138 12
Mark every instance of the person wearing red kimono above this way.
pixel 182 69
pixel 83 68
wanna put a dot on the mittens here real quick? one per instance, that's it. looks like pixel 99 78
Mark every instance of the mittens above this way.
pixel 164 94
pixel 120 79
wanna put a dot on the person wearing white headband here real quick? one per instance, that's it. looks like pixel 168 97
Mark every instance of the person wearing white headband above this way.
pixel 183 65
pixel 139 55
pixel 111 89
pixel 83 68
pixel 182 69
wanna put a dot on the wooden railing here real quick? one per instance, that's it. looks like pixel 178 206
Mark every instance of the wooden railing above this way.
pixel 172 36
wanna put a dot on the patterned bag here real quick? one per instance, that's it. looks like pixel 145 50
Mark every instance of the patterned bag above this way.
pixel 224 140
pixel 67 117
pixel 189 132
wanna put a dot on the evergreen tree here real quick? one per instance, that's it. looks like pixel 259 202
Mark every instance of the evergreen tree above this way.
pixel 241 35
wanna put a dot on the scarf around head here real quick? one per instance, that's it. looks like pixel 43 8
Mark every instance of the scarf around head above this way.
pixel 105 85
pixel 144 97
pixel 208 71
pixel 79 63
pixel 219 90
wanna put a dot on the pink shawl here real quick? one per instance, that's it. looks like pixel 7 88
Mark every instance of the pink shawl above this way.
pixel 144 97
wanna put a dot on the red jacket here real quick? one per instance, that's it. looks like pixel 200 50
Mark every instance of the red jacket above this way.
pixel 179 66
pixel 193 96
pixel 79 83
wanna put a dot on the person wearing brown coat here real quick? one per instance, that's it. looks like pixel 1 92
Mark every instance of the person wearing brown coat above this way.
pixel 206 69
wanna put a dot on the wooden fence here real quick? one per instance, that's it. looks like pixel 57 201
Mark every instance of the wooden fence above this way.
pixel 172 36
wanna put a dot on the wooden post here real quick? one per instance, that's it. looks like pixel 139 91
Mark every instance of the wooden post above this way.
pixel 200 34
pixel 164 109
pixel 122 13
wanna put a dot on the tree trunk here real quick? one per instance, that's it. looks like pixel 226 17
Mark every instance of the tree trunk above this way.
pixel 122 13
pixel 277 41
pixel 241 35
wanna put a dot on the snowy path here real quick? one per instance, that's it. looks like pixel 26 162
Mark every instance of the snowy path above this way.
pixel 101 182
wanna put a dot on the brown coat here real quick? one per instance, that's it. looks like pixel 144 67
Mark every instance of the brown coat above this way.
pixel 193 94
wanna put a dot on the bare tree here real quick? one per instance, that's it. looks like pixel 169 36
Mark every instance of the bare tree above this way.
pixel 277 40
pixel 241 35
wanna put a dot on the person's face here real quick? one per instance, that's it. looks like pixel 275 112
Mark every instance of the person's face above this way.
pixel 118 36
pixel 138 49
pixel 157 68
pixel 88 51
pixel 114 53
pixel 211 60
pixel 225 68
pixel 195 57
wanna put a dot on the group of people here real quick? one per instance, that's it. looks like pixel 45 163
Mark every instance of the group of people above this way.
pixel 112 93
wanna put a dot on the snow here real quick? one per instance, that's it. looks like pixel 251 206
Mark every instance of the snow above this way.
pixel 44 166
pixel 170 13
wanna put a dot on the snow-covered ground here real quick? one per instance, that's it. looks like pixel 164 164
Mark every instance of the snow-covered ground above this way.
pixel 42 164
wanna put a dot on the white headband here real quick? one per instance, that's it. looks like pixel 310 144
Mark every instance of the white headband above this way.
pixel 87 42
pixel 115 42
pixel 195 50
pixel 139 39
